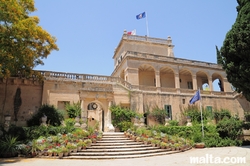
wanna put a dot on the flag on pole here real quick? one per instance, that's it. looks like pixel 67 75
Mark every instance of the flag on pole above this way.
pixel 195 98
pixel 132 32
pixel 141 15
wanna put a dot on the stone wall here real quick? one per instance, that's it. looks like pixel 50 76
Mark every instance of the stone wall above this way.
pixel 31 99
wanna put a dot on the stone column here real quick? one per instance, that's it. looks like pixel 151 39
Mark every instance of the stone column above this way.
pixel 83 113
pixel 226 85
pixel 210 83
pixel 109 125
pixel 194 82
pixel 177 81
pixel 157 80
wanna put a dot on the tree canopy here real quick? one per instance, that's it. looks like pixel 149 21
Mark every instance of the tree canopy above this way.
pixel 23 43
pixel 235 51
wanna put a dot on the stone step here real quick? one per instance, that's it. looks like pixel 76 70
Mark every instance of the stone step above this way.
pixel 112 153
pixel 118 146
pixel 119 149
pixel 115 138
pixel 116 143
pixel 121 156
pixel 113 133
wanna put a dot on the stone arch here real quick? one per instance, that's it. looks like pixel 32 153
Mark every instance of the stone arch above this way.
pixel 146 75
pixel 218 82
pixel 185 79
pixel 167 77
pixel 202 80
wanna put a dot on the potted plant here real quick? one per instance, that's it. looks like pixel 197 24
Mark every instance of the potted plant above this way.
pixel 50 152
pixel 157 142
pixel 177 146
pixel 60 153
pixel 172 147
pixel 64 150
pixel 154 142
pixel 163 145
pixel 41 148
pixel 54 151
pixel 88 142
pixel 200 145
pixel 34 148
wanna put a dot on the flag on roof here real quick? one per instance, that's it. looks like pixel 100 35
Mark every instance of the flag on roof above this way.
pixel 133 32
pixel 195 98
pixel 141 15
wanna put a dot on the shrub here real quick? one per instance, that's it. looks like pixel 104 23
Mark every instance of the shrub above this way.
pixel 9 146
pixel 158 114
pixel 54 117
pixel 230 128
pixel 73 110
pixel 182 131
pixel 173 123
pixel 18 132
pixel 121 117
pixel 193 111
pixel 223 113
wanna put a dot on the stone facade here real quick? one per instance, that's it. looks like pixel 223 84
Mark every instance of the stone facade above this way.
pixel 146 74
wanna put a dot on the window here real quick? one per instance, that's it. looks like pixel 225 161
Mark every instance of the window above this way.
pixel 209 110
pixel 190 85
pixel 183 101
pixel 169 111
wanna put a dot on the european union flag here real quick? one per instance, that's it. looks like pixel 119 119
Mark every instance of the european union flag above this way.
pixel 141 15
pixel 195 98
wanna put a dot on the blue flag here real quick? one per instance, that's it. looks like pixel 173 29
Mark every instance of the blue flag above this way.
pixel 195 98
pixel 141 15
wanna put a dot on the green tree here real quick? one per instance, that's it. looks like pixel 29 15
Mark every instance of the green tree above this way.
pixel 235 51
pixel 23 43
pixel 219 58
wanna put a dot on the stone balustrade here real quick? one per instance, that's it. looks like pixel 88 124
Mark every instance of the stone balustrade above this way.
pixel 109 80
pixel 145 38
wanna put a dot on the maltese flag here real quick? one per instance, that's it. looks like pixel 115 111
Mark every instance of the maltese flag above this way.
pixel 132 32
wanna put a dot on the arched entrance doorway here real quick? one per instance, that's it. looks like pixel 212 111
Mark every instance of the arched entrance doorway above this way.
pixel 95 115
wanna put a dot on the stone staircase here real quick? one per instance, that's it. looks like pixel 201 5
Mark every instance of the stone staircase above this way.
pixel 116 146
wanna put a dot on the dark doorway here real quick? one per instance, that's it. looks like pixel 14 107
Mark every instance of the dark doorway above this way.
pixel 102 120
pixel 145 119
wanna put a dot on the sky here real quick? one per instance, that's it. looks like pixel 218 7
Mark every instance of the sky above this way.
pixel 88 31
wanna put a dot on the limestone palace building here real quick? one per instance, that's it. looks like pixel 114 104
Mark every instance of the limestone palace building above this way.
pixel 146 74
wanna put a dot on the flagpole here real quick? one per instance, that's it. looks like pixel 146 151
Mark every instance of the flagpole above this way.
pixel 147 24
pixel 202 126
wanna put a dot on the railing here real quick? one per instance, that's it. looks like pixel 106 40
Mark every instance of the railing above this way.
pixel 83 77
pixel 145 38
pixel 108 79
